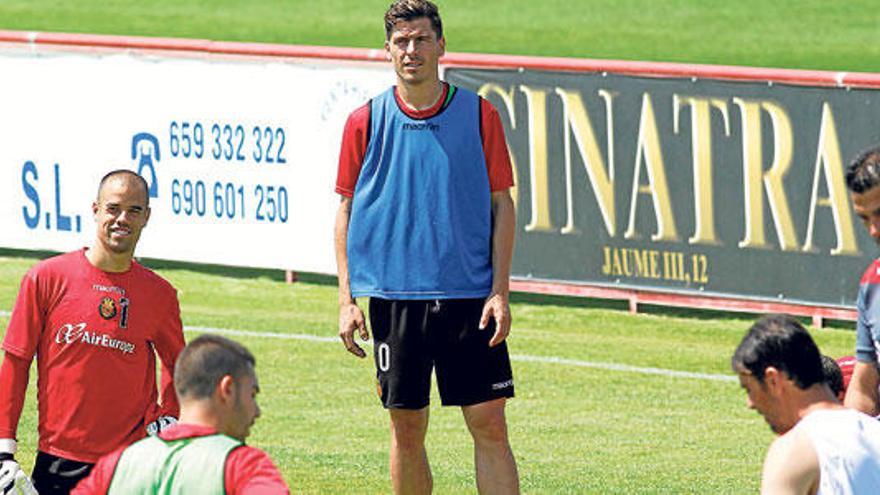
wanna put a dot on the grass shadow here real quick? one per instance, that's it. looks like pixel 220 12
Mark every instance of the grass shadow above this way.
pixel 22 253
pixel 651 309
pixel 206 268
pixel 623 305
pixel 745 317
pixel 568 301
pixel 699 313
pixel 238 272
pixel 841 325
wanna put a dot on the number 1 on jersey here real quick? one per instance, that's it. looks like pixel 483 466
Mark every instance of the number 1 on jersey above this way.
pixel 123 313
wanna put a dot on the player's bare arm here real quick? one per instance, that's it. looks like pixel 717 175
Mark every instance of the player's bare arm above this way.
pixel 497 304
pixel 791 466
pixel 862 393
pixel 351 317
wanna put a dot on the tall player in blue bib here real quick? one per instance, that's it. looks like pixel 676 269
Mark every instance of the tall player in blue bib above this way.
pixel 432 175
pixel 425 230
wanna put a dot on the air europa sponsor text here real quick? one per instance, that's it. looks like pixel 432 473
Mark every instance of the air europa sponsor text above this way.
pixel 73 333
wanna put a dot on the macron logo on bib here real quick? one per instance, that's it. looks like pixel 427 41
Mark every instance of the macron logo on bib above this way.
pixel 421 126
pixel 71 334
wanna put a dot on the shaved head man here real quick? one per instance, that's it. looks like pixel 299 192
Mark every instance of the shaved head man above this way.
pixel 95 319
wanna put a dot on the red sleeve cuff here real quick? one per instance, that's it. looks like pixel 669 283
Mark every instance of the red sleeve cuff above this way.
pixel 348 193
pixel 495 148
pixel 353 149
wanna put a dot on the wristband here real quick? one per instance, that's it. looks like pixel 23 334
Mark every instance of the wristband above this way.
pixel 8 446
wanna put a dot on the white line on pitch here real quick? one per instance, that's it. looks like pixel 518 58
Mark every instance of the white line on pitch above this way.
pixel 250 333
pixel 624 367
pixel 514 357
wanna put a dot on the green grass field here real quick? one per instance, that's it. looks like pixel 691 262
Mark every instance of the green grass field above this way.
pixel 789 33
pixel 574 428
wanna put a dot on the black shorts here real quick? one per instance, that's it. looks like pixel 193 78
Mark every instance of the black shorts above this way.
pixel 55 475
pixel 413 337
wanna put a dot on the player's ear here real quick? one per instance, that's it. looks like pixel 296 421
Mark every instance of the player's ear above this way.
pixel 442 42
pixel 226 389
pixel 387 50
pixel 772 377
pixel 95 208
pixel 147 215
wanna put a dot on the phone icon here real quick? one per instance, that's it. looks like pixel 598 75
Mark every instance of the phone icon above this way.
pixel 144 147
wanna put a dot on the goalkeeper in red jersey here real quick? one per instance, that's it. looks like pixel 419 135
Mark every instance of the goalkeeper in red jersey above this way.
pixel 95 319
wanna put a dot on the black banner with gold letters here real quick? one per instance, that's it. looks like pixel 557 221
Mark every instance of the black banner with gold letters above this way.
pixel 703 186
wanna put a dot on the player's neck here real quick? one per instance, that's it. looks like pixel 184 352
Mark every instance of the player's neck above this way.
pixel 108 261
pixel 195 413
pixel 816 398
pixel 203 413
pixel 420 96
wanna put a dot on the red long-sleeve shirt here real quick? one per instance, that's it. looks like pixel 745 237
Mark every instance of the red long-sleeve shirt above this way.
pixel 95 335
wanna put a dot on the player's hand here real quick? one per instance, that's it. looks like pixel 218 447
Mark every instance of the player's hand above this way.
pixel 351 318
pixel 9 470
pixel 22 485
pixel 161 423
pixel 496 307
pixel 11 475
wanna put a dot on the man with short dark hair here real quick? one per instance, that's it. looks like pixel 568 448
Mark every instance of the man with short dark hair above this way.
pixel 95 319
pixel 822 446
pixel 204 452
pixel 425 229
pixel 863 182
pixel 833 377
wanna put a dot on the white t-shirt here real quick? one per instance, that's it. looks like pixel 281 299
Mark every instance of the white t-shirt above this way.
pixel 847 444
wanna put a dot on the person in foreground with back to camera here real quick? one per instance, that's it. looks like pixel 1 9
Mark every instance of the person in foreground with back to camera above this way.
pixel 204 453
pixel 822 446
pixel 863 182
pixel 838 373
pixel 833 377
pixel 425 229
pixel 95 319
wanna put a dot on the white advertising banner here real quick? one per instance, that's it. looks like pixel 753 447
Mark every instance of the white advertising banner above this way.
pixel 240 153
